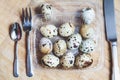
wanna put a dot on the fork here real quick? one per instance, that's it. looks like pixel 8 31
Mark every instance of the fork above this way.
pixel 27 24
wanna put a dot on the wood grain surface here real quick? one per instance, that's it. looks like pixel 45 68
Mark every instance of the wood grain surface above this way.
pixel 10 12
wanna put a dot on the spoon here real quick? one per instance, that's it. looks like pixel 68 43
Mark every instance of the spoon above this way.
pixel 15 34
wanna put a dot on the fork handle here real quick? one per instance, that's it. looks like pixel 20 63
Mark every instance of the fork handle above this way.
pixel 29 58
pixel 115 67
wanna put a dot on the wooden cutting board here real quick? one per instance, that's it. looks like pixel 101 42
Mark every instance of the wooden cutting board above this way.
pixel 9 12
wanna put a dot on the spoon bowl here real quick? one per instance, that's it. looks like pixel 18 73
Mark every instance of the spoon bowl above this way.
pixel 15 32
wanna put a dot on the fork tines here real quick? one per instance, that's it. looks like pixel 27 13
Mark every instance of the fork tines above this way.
pixel 25 15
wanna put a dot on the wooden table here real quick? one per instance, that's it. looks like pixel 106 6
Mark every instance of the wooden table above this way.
pixel 9 13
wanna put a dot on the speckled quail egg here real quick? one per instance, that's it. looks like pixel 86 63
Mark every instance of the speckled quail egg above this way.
pixel 87 46
pixel 66 29
pixel 49 31
pixel 60 48
pixel 50 60
pixel 67 60
pixel 45 45
pixel 88 15
pixel 87 31
pixel 74 41
pixel 46 10
pixel 83 61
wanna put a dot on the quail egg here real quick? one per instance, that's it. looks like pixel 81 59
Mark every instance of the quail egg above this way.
pixel 45 45
pixel 87 31
pixel 88 15
pixel 60 48
pixel 67 60
pixel 46 10
pixel 66 29
pixel 87 45
pixel 50 60
pixel 74 41
pixel 49 31
pixel 83 61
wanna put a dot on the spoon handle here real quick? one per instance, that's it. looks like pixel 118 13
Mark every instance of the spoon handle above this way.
pixel 29 60
pixel 15 64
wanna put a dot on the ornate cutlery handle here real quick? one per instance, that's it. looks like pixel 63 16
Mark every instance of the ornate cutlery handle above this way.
pixel 29 60
pixel 115 68
pixel 15 64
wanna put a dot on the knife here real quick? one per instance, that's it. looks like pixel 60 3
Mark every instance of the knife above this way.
pixel 110 24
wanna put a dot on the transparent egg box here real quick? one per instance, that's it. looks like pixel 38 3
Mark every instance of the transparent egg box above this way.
pixel 63 12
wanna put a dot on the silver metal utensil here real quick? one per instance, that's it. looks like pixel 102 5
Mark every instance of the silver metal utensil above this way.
pixel 27 24
pixel 111 35
pixel 15 34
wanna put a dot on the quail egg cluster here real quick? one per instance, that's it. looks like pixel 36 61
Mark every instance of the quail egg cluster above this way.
pixel 60 52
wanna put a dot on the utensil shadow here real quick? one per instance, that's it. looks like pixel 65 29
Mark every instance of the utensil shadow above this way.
pixel 110 61
pixel 10 28
pixel 38 10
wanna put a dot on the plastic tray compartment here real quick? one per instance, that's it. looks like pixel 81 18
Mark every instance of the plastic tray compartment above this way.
pixel 68 11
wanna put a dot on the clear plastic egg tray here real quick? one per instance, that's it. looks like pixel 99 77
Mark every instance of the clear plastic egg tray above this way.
pixel 66 11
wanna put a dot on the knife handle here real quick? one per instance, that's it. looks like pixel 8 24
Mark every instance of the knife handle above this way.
pixel 115 67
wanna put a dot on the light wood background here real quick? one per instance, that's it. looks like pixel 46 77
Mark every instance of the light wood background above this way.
pixel 9 13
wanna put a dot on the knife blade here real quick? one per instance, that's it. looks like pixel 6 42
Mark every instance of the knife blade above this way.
pixel 110 20
pixel 110 24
